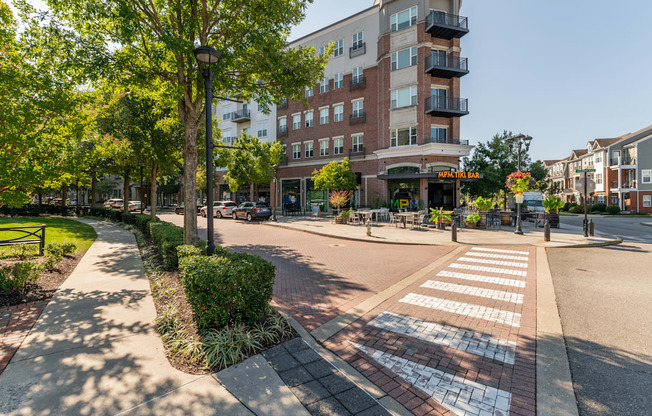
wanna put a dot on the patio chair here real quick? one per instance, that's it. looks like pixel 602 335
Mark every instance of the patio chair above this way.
pixel 384 214
pixel 354 218
pixel 393 219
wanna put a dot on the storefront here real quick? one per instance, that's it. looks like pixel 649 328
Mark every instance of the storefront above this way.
pixel 291 191
pixel 315 197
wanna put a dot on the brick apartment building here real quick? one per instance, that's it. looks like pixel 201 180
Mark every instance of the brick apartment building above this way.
pixel 389 101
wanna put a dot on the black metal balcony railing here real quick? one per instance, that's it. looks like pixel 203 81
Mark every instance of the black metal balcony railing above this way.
pixel 241 115
pixel 357 153
pixel 446 26
pixel 358 50
pixel 446 66
pixel 358 118
pixel 358 83
pixel 446 107
pixel 627 184
pixel 282 131
pixel 428 140
pixel 627 160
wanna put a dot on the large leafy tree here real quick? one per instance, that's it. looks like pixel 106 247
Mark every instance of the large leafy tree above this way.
pixel 335 177
pixel 153 40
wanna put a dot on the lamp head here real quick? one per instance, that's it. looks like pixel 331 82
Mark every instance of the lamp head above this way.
pixel 206 56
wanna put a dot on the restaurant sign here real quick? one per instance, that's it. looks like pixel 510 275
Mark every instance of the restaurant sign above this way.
pixel 458 175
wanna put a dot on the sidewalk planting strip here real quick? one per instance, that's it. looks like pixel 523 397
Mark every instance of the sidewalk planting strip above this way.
pixel 474 291
pixel 500 250
pixel 495 262
pixel 481 278
pixel 522 273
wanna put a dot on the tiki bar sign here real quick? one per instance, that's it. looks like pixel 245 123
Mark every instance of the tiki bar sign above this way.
pixel 458 175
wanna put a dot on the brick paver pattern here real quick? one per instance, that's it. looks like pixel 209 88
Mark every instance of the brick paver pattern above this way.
pixel 15 324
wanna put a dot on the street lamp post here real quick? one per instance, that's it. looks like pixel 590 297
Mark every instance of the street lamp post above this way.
pixel 275 191
pixel 518 141
pixel 207 58
pixel 142 194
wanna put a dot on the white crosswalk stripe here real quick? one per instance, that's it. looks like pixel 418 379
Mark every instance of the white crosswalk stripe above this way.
pixel 483 345
pixel 481 278
pixel 494 262
pixel 496 256
pixel 467 309
pixel 498 250
pixel 460 396
pixel 522 273
pixel 474 291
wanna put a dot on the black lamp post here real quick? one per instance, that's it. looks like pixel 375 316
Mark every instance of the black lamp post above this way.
pixel 275 191
pixel 518 141
pixel 207 58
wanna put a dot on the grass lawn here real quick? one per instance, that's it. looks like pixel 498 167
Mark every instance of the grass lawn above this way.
pixel 57 230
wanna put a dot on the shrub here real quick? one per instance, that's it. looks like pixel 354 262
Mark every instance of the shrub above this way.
pixel 185 251
pixel 577 209
pixel 566 206
pixel 600 207
pixel 19 274
pixel 167 238
pixel 235 288
pixel 613 209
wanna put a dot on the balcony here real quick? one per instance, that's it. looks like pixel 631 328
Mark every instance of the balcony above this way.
pixel 446 26
pixel 627 184
pixel 358 50
pixel 283 161
pixel 626 160
pixel 283 105
pixel 358 83
pixel 357 118
pixel 241 116
pixel 446 107
pixel 446 66
pixel 282 131
pixel 359 154
pixel 428 140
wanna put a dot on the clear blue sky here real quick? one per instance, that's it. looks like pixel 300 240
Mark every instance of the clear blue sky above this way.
pixel 562 71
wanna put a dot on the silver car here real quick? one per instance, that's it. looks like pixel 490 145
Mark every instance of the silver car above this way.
pixel 221 209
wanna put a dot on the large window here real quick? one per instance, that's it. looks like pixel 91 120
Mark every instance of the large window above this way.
pixel 403 19
pixel 647 201
pixel 310 92
pixel 646 176
pixel 358 143
pixel 338 145
pixel 338 113
pixel 358 108
pixel 226 113
pixel 323 85
pixel 309 118
pixel 338 81
pixel 439 134
pixel 262 129
pixel 404 58
pixel 323 116
pixel 357 40
pixel 357 75
pixel 296 122
pixel 309 149
pixel 282 124
pixel 296 151
pixel 339 48
pixel 404 97
pixel 598 178
pixel 323 147
pixel 322 50
pixel 403 137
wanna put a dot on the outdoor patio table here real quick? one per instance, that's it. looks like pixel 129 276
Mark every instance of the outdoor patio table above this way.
pixel 365 215
pixel 404 216
pixel 375 213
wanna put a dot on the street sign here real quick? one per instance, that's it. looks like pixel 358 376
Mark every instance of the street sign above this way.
pixel 590 186
pixel 584 170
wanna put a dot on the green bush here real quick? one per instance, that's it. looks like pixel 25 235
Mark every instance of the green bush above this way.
pixel 613 209
pixel 235 288
pixel 167 238
pixel 19 274
pixel 185 251
pixel 577 209
pixel 599 207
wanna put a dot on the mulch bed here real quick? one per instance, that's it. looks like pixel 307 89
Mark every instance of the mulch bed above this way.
pixel 44 288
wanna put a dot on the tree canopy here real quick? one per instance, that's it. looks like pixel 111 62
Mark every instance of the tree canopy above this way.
pixel 335 177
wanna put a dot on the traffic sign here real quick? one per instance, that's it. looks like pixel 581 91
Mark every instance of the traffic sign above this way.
pixel 590 186
pixel 584 170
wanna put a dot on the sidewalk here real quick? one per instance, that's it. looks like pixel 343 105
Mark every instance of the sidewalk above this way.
pixel 566 236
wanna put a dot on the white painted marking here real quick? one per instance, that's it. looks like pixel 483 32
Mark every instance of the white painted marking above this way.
pixel 500 295
pixel 460 396
pixel 496 262
pixel 475 343
pixel 483 279
pixel 496 256
pixel 467 309
pixel 498 250
pixel 488 269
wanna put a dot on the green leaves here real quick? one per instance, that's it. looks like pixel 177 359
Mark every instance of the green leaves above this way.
pixel 335 176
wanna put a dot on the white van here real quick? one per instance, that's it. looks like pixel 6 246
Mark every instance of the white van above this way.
pixel 534 201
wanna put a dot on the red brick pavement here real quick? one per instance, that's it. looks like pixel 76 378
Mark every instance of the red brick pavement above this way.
pixel 517 379
pixel 15 324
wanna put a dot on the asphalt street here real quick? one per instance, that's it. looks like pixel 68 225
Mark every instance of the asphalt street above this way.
pixel 604 297
pixel 630 229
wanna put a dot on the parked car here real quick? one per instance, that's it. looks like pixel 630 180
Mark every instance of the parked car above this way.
pixel 221 209
pixel 179 210
pixel 116 203
pixel 252 211
pixel 136 206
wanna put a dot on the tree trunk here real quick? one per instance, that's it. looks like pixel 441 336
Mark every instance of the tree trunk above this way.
pixel 93 190
pixel 190 235
pixel 152 192
pixel 64 193
pixel 40 198
pixel 125 192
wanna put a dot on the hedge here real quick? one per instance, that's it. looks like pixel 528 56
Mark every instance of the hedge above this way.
pixel 613 209
pixel 227 288
pixel 167 238
pixel 599 207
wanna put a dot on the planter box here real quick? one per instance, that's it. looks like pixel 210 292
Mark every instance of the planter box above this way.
pixel 506 217
pixel 553 217
pixel 340 220
pixel 471 224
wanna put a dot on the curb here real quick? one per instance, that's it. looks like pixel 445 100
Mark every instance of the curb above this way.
pixel 618 240
pixel 647 224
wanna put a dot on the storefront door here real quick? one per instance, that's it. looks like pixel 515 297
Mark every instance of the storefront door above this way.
pixel 441 195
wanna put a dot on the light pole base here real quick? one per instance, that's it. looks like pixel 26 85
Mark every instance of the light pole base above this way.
pixel 519 232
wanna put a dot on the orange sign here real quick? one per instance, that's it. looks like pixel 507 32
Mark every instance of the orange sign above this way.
pixel 458 175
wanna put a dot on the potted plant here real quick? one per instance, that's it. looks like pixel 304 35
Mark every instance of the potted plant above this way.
pixel 339 199
pixel 482 205
pixel 519 182
pixel 438 216
pixel 472 220
pixel 552 205
pixel 343 217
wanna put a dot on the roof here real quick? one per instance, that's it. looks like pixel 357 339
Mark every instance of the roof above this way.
pixel 579 152
pixel 607 142
pixel 351 17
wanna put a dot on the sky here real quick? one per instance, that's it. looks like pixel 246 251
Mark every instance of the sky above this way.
pixel 562 71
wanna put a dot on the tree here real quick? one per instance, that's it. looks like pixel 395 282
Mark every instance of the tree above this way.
pixel 540 175
pixel 335 177
pixel 153 41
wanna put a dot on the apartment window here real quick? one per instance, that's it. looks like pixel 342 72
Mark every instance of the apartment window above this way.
pixel 357 75
pixel 403 137
pixel 646 176
pixel 282 124
pixel 339 48
pixel 439 134
pixel 296 122
pixel 323 147
pixel 310 91
pixel 296 151
pixel 226 113
pixel 245 131
pixel 598 178
pixel 357 40
pixel 260 107
pixel 338 81
pixel 404 97
pixel 338 146
pixel 358 108
pixel 404 58
pixel 357 143
pixel 309 118
pixel 338 113
pixel 226 137
pixel 323 85
pixel 403 19
pixel 322 50
pixel 262 129
pixel 647 201
pixel 309 149
pixel 601 199
pixel 323 116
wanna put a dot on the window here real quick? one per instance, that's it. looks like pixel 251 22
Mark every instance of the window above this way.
pixel 296 122
pixel 646 176
pixel 322 50
pixel 598 178
pixel 338 113
pixel 310 92
pixel 323 85
pixel 226 113
pixel 338 81
pixel 647 201
pixel 438 98
pixel 226 137
pixel 309 149
pixel 357 143
pixel 357 75
pixel 438 134
pixel 338 145
pixel 323 147
pixel 339 48
pixel 262 129
pixel 404 97
pixel 282 124
pixel 358 108
pixel 357 40
pixel 323 116
pixel 403 19
pixel 404 58
pixel 403 137
pixel 245 131
pixel 601 199
pixel 296 151
pixel 260 107
pixel 309 118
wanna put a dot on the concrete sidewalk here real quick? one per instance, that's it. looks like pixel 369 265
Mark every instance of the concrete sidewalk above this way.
pixel 566 236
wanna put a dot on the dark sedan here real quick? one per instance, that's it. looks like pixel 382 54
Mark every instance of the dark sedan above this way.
pixel 179 210
pixel 252 211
